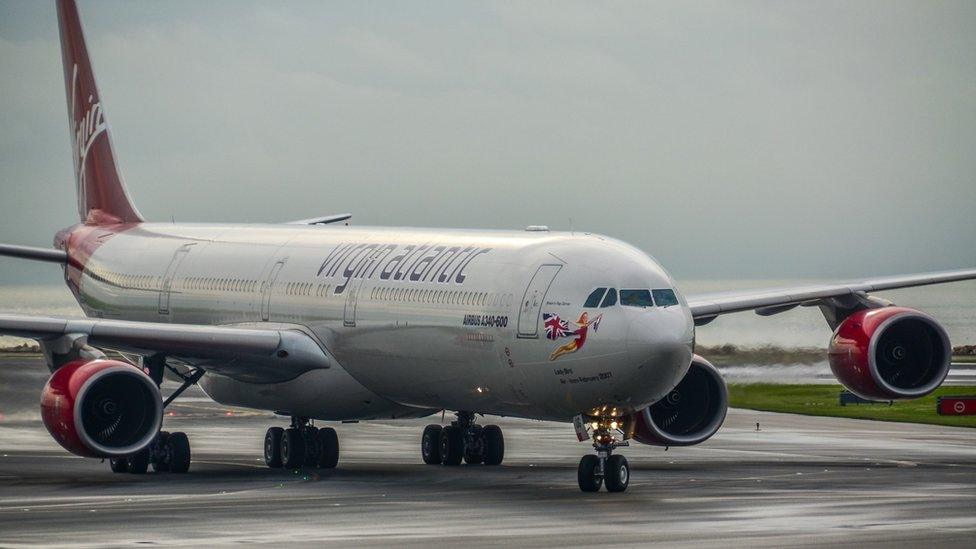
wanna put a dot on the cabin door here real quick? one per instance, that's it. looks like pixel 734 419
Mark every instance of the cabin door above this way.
pixel 531 306
pixel 269 289
pixel 167 284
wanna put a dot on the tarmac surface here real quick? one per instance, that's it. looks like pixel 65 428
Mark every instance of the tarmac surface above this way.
pixel 796 481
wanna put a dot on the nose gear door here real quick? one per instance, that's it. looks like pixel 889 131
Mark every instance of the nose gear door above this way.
pixel 535 294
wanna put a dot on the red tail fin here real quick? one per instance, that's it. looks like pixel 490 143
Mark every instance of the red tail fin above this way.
pixel 102 197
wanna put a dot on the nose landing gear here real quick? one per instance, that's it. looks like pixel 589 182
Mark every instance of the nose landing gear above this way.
pixel 604 467
pixel 301 445
pixel 462 440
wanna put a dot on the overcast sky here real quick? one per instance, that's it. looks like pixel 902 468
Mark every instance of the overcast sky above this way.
pixel 745 139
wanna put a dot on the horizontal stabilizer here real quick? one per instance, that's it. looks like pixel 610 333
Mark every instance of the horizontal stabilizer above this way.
pixel 37 254
pixel 324 220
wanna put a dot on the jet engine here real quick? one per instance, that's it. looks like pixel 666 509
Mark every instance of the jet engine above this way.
pixel 690 414
pixel 890 353
pixel 101 408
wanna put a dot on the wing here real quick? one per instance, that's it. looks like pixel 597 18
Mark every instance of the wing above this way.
pixel 324 220
pixel 772 301
pixel 257 355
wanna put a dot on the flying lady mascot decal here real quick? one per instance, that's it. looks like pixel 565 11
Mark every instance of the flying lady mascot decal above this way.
pixel 557 328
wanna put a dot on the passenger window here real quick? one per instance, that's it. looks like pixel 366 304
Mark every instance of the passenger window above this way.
pixel 594 299
pixel 636 298
pixel 610 300
pixel 665 298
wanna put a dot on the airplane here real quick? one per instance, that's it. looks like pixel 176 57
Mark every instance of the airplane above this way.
pixel 318 320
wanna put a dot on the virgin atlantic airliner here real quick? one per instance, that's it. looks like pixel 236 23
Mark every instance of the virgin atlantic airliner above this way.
pixel 318 320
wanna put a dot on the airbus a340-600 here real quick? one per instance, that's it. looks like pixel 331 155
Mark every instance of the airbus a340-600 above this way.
pixel 318 320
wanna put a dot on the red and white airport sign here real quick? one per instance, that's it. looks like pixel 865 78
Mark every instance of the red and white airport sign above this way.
pixel 956 406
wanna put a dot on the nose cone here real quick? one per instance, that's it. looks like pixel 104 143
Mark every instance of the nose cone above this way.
pixel 659 344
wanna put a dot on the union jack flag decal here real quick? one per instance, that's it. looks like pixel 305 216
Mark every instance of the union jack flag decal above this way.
pixel 555 326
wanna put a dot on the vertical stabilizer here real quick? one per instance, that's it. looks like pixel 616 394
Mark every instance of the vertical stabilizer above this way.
pixel 102 197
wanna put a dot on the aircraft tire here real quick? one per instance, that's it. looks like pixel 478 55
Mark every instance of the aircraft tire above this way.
pixel 160 460
pixel 430 444
pixel 452 445
pixel 119 465
pixel 292 449
pixel 139 462
pixel 586 474
pixel 178 448
pixel 328 448
pixel 618 474
pixel 494 444
pixel 272 447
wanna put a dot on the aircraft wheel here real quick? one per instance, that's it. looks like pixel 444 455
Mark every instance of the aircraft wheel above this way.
pixel 119 465
pixel 618 473
pixel 452 445
pixel 494 444
pixel 160 460
pixel 328 448
pixel 272 447
pixel 139 462
pixel 177 447
pixel 586 474
pixel 292 449
pixel 475 452
pixel 430 444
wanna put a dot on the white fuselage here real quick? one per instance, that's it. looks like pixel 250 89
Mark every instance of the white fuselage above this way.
pixel 417 320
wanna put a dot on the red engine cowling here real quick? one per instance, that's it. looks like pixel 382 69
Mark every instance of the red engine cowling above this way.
pixel 101 408
pixel 890 353
pixel 690 414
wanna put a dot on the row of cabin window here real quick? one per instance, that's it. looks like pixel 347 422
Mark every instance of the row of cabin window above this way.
pixel 219 284
pixel 417 295
pixel 299 288
pixel 140 282
pixel 607 297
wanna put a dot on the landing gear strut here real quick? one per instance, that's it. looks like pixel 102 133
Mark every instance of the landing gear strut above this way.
pixel 301 445
pixel 462 440
pixel 595 470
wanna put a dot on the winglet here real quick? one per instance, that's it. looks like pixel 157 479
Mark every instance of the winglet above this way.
pixel 102 197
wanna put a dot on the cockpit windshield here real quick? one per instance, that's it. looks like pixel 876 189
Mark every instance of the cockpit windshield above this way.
pixel 636 298
pixel 665 298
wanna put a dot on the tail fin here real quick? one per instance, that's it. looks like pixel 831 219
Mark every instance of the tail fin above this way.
pixel 102 197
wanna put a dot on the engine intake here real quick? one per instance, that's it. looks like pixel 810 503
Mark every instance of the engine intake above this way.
pixel 690 414
pixel 101 408
pixel 890 353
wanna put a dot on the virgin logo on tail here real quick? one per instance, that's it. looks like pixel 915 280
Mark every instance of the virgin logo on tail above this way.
pixel 87 128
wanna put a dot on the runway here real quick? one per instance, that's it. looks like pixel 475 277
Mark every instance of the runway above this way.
pixel 796 481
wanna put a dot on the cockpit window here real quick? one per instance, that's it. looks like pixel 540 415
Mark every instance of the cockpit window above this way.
pixel 636 298
pixel 665 298
pixel 610 300
pixel 594 299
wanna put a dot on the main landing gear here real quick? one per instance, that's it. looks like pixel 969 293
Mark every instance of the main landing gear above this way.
pixel 301 445
pixel 462 439
pixel 169 453
pixel 604 468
